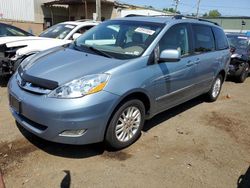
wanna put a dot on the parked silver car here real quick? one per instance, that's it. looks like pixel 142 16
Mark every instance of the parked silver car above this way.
pixel 110 80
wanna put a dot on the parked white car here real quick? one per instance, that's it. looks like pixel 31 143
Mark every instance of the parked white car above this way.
pixel 14 49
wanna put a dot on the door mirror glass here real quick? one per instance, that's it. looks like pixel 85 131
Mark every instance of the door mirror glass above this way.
pixel 76 35
pixel 170 56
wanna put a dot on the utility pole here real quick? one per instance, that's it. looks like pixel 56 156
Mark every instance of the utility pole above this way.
pixel 198 7
pixel 98 10
pixel 176 5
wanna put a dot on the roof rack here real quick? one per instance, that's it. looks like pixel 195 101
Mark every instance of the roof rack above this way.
pixel 133 15
pixel 179 16
pixel 83 20
pixel 175 16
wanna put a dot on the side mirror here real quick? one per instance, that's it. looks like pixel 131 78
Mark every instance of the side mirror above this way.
pixel 170 56
pixel 232 49
pixel 76 35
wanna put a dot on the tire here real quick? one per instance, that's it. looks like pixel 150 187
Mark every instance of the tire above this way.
pixel 125 124
pixel 214 92
pixel 244 74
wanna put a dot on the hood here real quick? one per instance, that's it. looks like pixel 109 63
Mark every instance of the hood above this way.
pixel 242 51
pixel 62 65
pixel 33 46
pixel 4 40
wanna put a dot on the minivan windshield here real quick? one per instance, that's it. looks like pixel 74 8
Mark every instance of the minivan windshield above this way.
pixel 59 31
pixel 239 42
pixel 120 39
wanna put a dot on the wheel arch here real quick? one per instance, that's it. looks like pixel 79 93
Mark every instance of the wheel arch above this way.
pixel 134 94
pixel 223 74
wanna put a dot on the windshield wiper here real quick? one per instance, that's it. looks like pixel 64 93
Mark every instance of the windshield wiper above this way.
pixel 97 51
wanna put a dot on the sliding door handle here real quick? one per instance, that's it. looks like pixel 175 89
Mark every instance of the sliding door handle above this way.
pixel 190 63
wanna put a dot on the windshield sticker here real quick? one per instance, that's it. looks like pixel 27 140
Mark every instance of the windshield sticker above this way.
pixel 145 31
pixel 136 53
pixel 133 53
pixel 69 26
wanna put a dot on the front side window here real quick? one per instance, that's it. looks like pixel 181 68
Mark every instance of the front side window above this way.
pixel 176 38
pixel 120 39
pixel 59 31
pixel 84 29
pixel 203 39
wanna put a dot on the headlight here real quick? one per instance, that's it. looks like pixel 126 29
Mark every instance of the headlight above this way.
pixel 81 87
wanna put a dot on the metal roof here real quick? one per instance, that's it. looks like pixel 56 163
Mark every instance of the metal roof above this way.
pixel 73 2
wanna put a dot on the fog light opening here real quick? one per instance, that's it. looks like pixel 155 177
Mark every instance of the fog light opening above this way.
pixel 73 133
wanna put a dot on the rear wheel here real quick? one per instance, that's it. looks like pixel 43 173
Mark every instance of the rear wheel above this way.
pixel 244 74
pixel 214 92
pixel 126 124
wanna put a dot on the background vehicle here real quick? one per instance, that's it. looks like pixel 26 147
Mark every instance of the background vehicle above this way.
pixel 110 80
pixel 9 30
pixel 240 58
pixel 14 50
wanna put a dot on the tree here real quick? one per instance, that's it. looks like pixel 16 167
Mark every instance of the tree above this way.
pixel 214 13
pixel 171 10
pixel 205 15
pixel 151 7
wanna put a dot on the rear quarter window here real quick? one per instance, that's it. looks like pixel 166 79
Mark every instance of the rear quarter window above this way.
pixel 203 39
pixel 220 38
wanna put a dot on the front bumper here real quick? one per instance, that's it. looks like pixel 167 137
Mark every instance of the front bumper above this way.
pixel 49 117
pixel 235 70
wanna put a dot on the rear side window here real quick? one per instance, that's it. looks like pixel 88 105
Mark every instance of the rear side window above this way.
pixel 220 38
pixel 203 39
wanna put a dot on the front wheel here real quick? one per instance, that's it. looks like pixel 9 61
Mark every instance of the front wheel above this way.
pixel 126 124
pixel 214 92
pixel 244 74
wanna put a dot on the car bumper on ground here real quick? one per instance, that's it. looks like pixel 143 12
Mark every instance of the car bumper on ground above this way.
pixel 84 119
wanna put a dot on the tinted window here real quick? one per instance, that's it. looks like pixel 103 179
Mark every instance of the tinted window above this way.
pixel 81 30
pixel 6 30
pixel 176 38
pixel 203 39
pixel 220 38
pixel 84 29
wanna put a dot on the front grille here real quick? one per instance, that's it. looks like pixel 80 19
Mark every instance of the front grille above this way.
pixel 28 86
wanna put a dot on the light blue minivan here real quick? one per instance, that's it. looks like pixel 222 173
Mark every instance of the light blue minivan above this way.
pixel 103 86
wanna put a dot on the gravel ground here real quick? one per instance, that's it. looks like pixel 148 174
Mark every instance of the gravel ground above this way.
pixel 196 144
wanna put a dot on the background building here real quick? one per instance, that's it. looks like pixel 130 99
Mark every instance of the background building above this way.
pixel 85 9
pixel 233 24
pixel 26 14
pixel 36 15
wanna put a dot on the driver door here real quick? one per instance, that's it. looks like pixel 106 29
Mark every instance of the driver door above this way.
pixel 173 81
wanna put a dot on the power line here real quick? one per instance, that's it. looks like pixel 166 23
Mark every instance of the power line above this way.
pixel 198 6
pixel 176 5
pixel 214 6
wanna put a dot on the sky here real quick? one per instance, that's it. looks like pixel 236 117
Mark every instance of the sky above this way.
pixel 225 7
